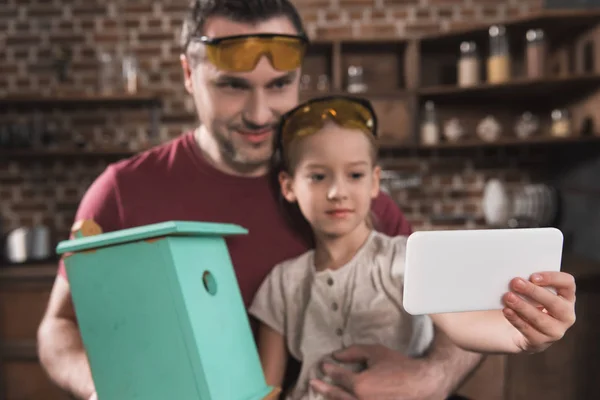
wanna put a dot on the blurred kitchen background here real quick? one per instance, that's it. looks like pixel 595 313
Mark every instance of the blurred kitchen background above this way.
pixel 490 118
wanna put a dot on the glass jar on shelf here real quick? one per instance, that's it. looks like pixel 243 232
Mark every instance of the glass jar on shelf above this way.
pixel 323 83
pixel 305 84
pixel 356 82
pixel 130 74
pixel 535 53
pixel 499 63
pixel 468 65
pixel 108 74
pixel 527 125
pixel 561 123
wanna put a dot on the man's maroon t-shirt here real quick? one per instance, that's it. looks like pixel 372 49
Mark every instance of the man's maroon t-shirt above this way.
pixel 174 182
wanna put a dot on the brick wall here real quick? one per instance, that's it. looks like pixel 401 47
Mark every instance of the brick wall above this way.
pixel 376 18
pixel 47 190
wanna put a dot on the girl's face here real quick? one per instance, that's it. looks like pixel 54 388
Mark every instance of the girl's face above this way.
pixel 333 179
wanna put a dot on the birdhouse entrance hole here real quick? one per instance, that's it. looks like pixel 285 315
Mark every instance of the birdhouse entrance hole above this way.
pixel 209 283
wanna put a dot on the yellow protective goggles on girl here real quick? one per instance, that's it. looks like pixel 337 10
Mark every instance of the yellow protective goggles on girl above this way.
pixel 309 117
pixel 241 53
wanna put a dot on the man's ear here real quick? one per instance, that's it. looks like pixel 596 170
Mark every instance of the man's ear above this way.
pixel 376 181
pixel 187 73
pixel 287 189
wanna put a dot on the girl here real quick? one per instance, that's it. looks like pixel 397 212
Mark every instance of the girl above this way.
pixel 348 289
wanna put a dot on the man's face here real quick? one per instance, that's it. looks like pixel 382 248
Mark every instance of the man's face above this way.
pixel 240 110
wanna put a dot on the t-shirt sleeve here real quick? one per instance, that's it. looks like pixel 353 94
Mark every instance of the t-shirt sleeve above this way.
pixel 388 217
pixel 268 305
pixel 397 254
pixel 422 325
pixel 102 204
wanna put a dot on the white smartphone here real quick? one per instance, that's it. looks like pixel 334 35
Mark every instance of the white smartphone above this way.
pixel 470 270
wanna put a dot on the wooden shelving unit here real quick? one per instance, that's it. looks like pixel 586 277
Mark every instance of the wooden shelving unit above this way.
pixel 29 103
pixel 42 271
pixel 79 99
pixel 566 23
pixel 39 153
pixel 401 75
pixel 521 88
pixel 538 141
pixel 372 94
pixel 24 294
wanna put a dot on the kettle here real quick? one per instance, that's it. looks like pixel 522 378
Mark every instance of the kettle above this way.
pixel 16 245
pixel 26 244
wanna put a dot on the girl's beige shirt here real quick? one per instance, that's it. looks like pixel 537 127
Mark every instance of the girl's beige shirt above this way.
pixel 359 303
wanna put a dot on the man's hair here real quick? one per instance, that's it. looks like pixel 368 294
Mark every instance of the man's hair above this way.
pixel 245 11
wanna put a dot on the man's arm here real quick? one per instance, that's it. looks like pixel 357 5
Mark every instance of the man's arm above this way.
pixel 449 365
pixel 60 347
pixel 393 375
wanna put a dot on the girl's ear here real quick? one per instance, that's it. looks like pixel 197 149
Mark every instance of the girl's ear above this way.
pixel 376 180
pixel 287 189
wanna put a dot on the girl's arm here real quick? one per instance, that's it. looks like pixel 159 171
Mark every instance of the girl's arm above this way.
pixel 273 354
pixel 529 324
pixel 479 331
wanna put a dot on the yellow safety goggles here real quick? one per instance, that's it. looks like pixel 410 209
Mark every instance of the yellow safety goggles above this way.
pixel 309 117
pixel 241 53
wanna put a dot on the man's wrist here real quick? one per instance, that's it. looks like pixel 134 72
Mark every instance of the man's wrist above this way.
pixel 435 372
pixel 448 366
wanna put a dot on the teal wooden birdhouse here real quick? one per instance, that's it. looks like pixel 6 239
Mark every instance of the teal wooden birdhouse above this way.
pixel 161 314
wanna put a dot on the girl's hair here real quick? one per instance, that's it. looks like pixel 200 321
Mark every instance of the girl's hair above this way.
pixel 281 162
pixel 291 211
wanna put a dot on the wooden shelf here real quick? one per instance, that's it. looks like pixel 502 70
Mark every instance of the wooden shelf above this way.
pixel 371 94
pixel 42 271
pixel 27 153
pixel 378 41
pixel 19 350
pixel 76 99
pixel 556 23
pixel 179 118
pixel 518 90
pixel 381 56
pixel 475 144
pixel 392 40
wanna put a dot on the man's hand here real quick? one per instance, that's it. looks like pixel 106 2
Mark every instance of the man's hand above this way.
pixel 546 317
pixel 389 375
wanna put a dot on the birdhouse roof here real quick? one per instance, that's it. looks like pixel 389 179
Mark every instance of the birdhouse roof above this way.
pixel 170 228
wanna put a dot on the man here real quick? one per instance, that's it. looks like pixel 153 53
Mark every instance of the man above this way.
pixel 219 173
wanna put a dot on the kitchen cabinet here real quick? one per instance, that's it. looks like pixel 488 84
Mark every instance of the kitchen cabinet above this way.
pixel 567 370
pixel 24 293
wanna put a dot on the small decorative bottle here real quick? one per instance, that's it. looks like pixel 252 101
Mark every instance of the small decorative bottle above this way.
pixel 429 126
pixel 323 83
